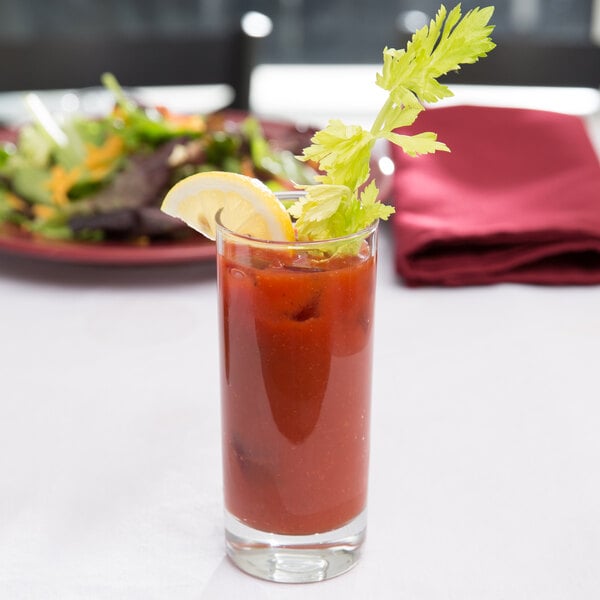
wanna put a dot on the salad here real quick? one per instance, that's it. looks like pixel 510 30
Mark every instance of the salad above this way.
pixel 93 179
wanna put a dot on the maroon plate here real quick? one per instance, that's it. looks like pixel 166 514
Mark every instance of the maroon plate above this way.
pixel 192 249
pixel 197 248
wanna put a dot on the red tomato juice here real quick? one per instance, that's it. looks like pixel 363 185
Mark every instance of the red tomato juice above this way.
pixel 296 346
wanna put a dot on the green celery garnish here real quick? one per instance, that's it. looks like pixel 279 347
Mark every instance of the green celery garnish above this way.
pixel 340 204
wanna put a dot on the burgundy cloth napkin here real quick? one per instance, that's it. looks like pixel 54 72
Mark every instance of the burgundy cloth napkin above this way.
pixel 517 200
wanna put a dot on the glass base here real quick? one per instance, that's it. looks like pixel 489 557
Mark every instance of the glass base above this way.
pixel 294 558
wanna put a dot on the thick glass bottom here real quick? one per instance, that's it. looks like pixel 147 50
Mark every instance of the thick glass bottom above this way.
pixel 294 558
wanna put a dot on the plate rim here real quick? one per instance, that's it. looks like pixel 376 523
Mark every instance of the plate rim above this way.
pixel 194 249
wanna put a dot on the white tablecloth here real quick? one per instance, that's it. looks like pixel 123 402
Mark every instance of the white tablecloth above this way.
pixel 485 448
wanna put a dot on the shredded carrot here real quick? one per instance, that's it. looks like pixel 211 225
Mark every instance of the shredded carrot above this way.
pixel 101 160
pixel 43 211
pixel 15 202
pixel 60 182
pixel 195 123
pixel 189 122
pixel 247 168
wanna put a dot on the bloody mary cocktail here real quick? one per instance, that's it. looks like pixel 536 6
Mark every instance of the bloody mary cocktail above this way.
pixel 296 290
pixel 296 351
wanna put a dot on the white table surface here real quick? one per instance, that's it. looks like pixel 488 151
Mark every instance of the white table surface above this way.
pixel 485 482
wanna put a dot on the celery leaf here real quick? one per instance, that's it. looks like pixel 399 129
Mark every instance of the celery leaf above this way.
pixel 341 204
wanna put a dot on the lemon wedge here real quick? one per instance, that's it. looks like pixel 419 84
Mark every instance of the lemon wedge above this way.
pixel 247 206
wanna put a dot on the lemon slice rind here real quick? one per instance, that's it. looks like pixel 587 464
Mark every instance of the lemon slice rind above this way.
pixel 247 206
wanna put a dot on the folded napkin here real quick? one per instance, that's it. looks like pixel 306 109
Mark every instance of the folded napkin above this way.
pixel 517 200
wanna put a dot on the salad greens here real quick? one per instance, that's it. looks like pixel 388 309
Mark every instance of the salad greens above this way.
pixel 98 178
pixel 342 203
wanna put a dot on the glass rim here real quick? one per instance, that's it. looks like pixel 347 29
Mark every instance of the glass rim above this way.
pixel 290 194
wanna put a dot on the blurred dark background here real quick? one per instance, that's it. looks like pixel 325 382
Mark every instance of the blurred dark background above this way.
pixel 328 31
pixel 166 42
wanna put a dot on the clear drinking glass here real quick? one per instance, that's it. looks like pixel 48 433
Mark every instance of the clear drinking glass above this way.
pixel 296 331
